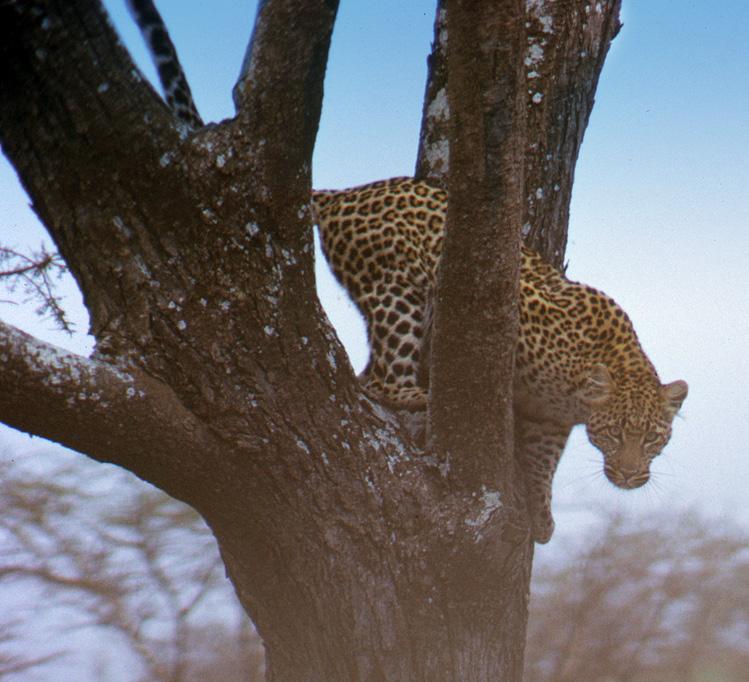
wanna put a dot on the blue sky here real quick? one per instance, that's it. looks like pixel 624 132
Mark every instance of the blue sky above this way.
pixel 658 216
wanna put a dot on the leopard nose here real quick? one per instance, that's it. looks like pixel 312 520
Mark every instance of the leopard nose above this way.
pixel 632 478
pixel 626 477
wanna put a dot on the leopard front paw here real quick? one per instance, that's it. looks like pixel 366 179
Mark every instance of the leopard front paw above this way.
pixel 542 526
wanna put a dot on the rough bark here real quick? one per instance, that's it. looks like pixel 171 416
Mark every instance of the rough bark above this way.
pixel 566 45
pixel 217 376
pixel 473 346
pixel 433 157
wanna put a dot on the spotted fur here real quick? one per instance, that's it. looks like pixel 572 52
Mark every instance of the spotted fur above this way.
pixel 578 358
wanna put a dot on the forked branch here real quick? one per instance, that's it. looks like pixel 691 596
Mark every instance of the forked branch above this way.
pixel 279 92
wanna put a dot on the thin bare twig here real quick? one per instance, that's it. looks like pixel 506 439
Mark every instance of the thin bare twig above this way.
pixel 35 273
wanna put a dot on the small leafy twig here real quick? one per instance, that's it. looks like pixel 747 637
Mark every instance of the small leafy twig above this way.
pixel 35 273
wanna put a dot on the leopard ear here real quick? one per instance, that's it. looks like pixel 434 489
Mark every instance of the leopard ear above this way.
pixel 673 395
pixel 598 388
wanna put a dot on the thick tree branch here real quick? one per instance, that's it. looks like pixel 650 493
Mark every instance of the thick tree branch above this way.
pixel 279 91
pixel 72 113
pixel 475 309
pixel 566 45
pixel 475 320
pixel 113 415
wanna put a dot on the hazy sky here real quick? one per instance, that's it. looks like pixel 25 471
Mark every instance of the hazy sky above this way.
pixel 658 215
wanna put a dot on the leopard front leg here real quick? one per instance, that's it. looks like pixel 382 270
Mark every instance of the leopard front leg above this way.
pixel 539 445
pixel 395 322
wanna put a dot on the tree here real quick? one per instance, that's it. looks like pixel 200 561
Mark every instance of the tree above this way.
pixel 217 377
pixel 663 598
pixel 133 562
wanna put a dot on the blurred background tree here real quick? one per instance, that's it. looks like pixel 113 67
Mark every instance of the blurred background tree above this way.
pixel 98 557
pixel 658 598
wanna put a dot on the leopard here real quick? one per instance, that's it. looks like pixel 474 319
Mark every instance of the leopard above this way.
pixel 578 358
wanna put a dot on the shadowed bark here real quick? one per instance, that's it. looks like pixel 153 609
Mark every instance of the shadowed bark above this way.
pixel 473 347
pixel 217 376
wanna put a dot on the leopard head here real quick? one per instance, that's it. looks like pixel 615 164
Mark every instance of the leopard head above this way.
pixel 630 422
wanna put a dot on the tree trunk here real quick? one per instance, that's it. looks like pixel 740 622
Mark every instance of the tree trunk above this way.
pixel 217 376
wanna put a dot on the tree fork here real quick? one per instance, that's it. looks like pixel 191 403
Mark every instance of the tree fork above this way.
pixel 355 555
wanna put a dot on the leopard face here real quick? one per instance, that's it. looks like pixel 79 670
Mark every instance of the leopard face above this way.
pixel 630 423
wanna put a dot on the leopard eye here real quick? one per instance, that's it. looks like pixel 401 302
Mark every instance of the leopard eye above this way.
pixel 651 437
pixel 614 431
